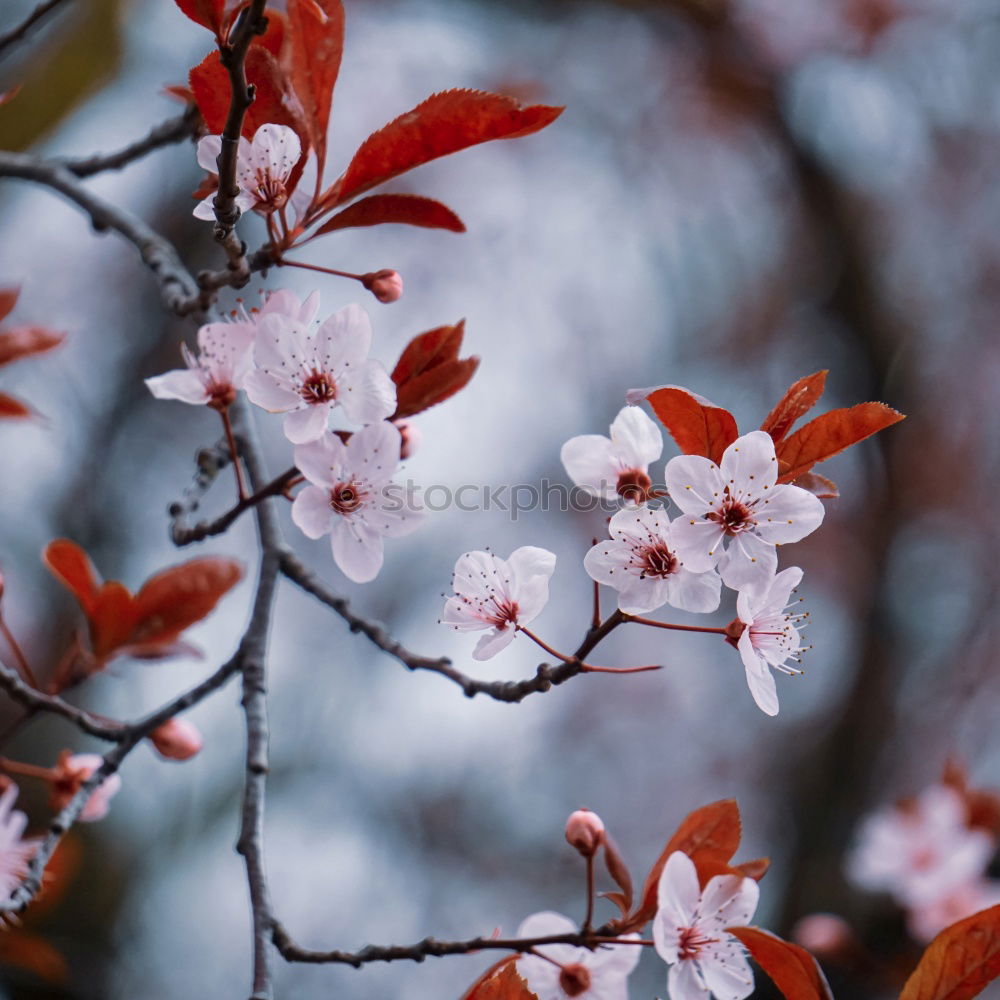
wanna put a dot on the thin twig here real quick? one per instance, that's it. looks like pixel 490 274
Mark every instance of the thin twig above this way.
pixel 20 30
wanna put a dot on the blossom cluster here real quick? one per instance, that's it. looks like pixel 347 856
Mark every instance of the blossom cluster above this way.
pixel 926 854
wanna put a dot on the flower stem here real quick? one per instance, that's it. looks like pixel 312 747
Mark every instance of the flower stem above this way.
pixel 679 628
pixel 587 920
pixel 26 770
pixel 315 267
pixel 548 649
pixel 589 669
pixel 22 660
pixel 231 441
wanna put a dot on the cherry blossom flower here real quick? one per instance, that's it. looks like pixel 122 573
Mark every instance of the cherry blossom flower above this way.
pixel 770 633
pixel 498 594
pixel 263 166
pixel 689 931
pixel 15 850
pixel 925 922
pixel 736 513
pixel 640 561
pixel 349 500
pixel 920 850
pixel 567 970
pixel 305 374
pixel 617 466
pixel 70 772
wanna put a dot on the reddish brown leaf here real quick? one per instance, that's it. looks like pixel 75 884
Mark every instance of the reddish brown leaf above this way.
pixel 425 350
pixel 500 982
pixel 176 598
pixel 960 962
pixel 274 37
pixel 433 387
pixel 406 209
pixel 442 124
pixel 317 43
pixel 618 870
pixel 111 620
pixel 697 425
pixel 207 13
pixel 23 341
pixel 14 409
pixel 829 434
pixel 818 485
pixel 74 570
pixel 791 968
pixel 709 836
pixel 755 869
pixel 31 953
pixel 800 398
pixel 8 299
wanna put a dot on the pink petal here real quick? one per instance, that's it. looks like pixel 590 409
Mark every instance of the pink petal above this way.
pixel 344 339
pixel 357 550
pixel 491 643
pixel 459 615
pixel 368 395
pixel 270 392
pixel 698 544
pixel 307 423
pixel 322 461
pixel 311 512
pixel 678 891
pixel 749 463
pixel 684 983
pixel 606 563
pixel 790 514
pixel 209 148
pixel 759 677
pixel 637 439
pixel 282 344
pixel 181 384
pixel 589 462
pixel 694 483
pixel 728 977
pixel 698 592
pixel 373 452
pixel 529 561
pixel 748 560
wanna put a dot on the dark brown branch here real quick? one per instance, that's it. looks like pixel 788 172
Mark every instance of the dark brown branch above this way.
pixel 430 947
pixel 178 289
pixel 166 133
pixel 18 32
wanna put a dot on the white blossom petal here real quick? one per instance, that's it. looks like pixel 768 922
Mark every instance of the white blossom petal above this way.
pixel 181 384
pixel 491 643
pixel 357 549
pixel 306 424
pixel 684 983
pixel 589 462
pixel 311 512
pixel 749 462
pixel 693 482
pixel 791 514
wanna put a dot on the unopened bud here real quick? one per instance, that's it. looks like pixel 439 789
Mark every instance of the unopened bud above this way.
pixel 386 285
pixel 410 438
pixel 824 934
pixel 176 739
pixel 585 831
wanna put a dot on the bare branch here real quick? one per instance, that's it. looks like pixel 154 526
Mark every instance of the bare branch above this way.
pixel 19 31
pixel 167 133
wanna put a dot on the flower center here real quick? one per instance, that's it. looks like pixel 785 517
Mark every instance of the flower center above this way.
pixel 504 613
pixel 220 396
pixel 270 192
pixel 345 498
pixel 318 387
pixel 574 980
pixel 634 486
pixel 658 560
pixel 733 516
pixel 692 940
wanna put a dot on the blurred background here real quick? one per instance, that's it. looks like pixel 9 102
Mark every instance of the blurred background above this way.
pixel 738 194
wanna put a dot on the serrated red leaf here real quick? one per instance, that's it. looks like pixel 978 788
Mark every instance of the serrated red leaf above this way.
pixel 791 968
pixel 207 13
pixel 425 350
pixel 71 566
pixel 960 962
pixel 500 982
pixel 755 869
pixel 13 409
pixel 405 209
pixel 433 387
pixel 709 836
pixel 24 341
pixel 174 599
pixel 697 425
pixel 317 44
pixel 829 434
pixel 444 123
pixel 798 400
pixel 820 486
pixel 275 35
pixel 8 299
pixel 111 619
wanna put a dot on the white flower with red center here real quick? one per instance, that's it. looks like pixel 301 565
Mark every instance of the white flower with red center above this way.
pixel 617 466
pixel 263 168
pixel 306 373
pixel 689 931
pixel 770 635
pixel 352 497
pixel 559 971
pixel 921 850
pixel 735 512
pixel 498 594
pixel 15 851
pixel 641 562
pixel 69 774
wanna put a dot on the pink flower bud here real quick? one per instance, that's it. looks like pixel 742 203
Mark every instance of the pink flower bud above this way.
pixel 824 934
pixel 585 831
pixel 386 285
pixel 410 438
pixel 70 772
pixel 176 739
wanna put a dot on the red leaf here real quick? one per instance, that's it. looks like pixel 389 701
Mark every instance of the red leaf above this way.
pixel 709 835
pixel 74 570
pixel 273 100
pixel 407 209
pixel 8 299
pixel 791 968
pixel 755 869
pixel 11 408
pixel 428 349
pixel 23 341
pixel 176 598
pixel 111 620
pixel 317 44
pixel 960 962
pixel 207 13
pixel 429 370
pixel 829 434
pixel 820 486
pixel 697 425
pixel 800 398
pixel 273 38
pixel 500 982
pixel 442 124
pixel 618 870
pixel 23 950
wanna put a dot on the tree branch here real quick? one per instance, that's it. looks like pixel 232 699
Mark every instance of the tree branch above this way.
pixel 19 31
